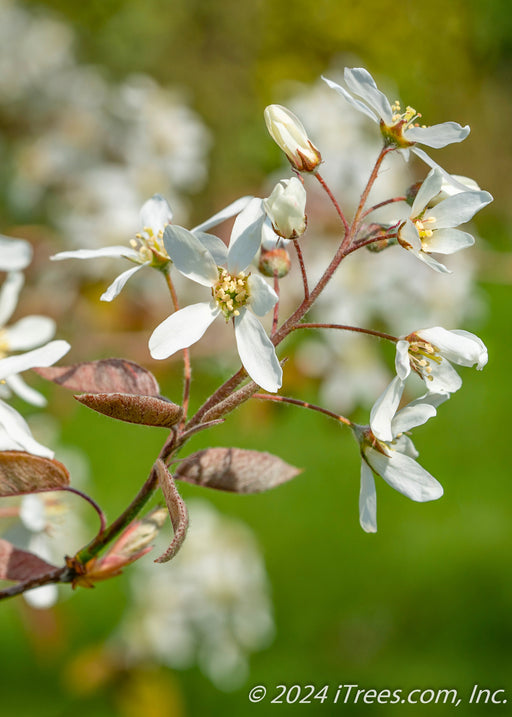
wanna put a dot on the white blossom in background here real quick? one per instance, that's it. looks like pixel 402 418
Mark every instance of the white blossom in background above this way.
pixel 28 333
pixel 210 606
pixel 15 254
pixel 91 150
pixel 51 526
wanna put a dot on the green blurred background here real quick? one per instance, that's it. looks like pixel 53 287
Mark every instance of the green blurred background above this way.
pixel 426 602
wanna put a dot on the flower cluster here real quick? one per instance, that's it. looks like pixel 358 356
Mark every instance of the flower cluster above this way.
pixel 263 269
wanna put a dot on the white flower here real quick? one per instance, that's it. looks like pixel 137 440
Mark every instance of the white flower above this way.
pixel 398 128
pixel 233 291
pixel 15 254
pixel 148 248
pixel 289 134
pixel 428 352
pixel 393 459
pixel 27 333
pixel 286 208
pixel 431 229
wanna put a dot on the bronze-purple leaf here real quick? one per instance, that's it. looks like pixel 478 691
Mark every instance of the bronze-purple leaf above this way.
pixel 147 410
pixel 25 473
pixel 16 564
pixel 177 511
pixel 103 376
pixel 235 470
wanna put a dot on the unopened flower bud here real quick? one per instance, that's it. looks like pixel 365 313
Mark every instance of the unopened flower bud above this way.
pixel 288 132
pixel 286 208
pixel 275 262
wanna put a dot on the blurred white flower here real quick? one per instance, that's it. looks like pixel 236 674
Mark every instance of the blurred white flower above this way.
pixel 27 333
pixel 49 525
pixel 210 605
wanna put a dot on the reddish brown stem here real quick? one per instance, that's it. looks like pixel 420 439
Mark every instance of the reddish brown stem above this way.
pixel 343 327
pixel 333 200
pixel 303 404
pixel 302 268
pixel 187 369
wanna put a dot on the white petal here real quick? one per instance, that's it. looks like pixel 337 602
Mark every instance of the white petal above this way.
pixel 459 208
pixel 385 408
pixel 403 444
pixel 15 254
pixel 155 214
pixel 437 135
pixel 269 239
pixel 106 251
pixel 403 474
pixel 117 285
pixel 44 356
pixel 410 416
pixel 29 332
pixel 360 106
pixel 9 295
pixel 190 256
pixel 447 241
pixel 215 246
pixel 257 352
pixel 246 236
pixel 428 160
pixel 443 378
pixel 21 389
pixel 408 233
pixel 181 329
pixel 367 500
pixel 362 83
pixel 432 263
pixel 18 431
pixel 402 361
pixel 263 297
pixel 234 208
pixel 480 353
pixel 428 190
pixel 461 347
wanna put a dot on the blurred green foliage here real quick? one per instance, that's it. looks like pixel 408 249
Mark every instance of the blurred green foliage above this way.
pixel 425 603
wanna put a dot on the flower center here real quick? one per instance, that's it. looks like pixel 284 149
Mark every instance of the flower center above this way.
pixel 421 353
pixel 151 247
pixel 424 230
pixel 406 119
pixel 402 121
pixel 231 292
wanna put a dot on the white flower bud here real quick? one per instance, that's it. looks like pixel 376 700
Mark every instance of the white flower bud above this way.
pixel 288 132
pixel 286 208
